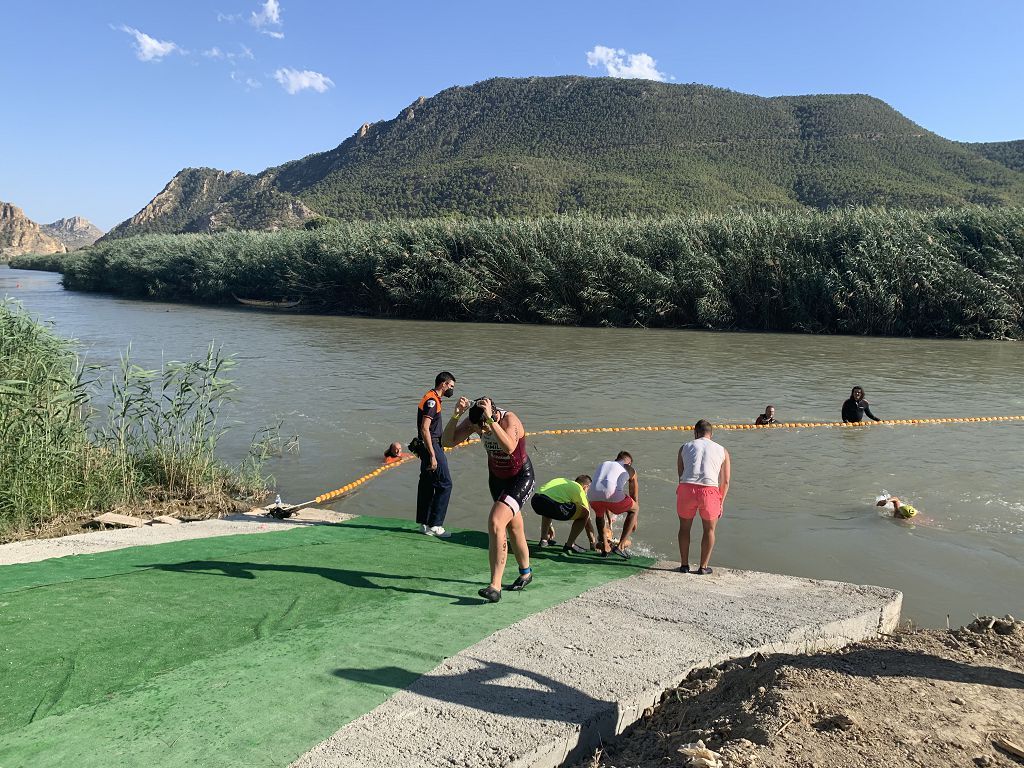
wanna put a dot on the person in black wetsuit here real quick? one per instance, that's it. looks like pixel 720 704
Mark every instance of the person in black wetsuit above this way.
pixel 856 408
pixel 511 481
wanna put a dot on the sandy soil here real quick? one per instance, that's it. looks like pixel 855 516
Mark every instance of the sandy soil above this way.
pixel 208 507
pixel 915 698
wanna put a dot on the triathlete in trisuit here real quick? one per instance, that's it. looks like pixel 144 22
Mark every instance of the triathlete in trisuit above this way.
pixel 564 499
pixel 511 481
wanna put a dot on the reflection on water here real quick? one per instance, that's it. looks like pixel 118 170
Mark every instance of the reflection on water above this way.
pixel 802 500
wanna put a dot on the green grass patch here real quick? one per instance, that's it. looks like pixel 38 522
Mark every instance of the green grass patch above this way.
pixel 67 451
pixel 242 650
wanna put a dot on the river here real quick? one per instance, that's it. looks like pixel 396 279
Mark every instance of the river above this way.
pixel 802 499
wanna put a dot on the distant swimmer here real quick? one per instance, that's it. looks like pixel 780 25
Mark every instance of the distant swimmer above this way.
pixel 705 471
pixel 899 509
pixel 511 481
pixel 394 453
pixel 856 408
pixel 564 499
pixel 615 491
pixel 768 417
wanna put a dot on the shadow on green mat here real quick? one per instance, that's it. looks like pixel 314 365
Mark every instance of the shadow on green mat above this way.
pixel 355 579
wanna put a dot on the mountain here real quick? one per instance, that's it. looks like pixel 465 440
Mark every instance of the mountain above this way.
pixel 1008 153
pixel 19 234
pixel 538 146
pixel 76 232
pixel 208 200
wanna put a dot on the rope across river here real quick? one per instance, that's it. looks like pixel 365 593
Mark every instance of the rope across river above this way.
pixel 674 428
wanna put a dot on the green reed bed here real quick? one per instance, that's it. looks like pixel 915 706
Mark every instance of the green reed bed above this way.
pixel 43 262
pixel 67 449
pixel 954 273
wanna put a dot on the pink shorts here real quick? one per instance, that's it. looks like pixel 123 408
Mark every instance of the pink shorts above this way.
pixel 601 508
pixel 691 498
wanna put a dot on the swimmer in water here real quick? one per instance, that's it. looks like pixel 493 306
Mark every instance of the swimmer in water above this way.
pixel 393 453
pixel 899 509
pixel 857 407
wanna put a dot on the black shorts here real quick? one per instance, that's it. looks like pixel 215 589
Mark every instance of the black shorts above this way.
pixel 515 490
pixel 545 506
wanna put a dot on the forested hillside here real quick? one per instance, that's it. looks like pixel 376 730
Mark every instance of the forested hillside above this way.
pixel 541 146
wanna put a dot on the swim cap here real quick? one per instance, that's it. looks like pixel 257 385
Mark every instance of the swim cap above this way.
pixel 906 511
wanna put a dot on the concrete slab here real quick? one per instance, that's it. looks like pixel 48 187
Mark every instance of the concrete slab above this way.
pixel 34 550
pixel 555 685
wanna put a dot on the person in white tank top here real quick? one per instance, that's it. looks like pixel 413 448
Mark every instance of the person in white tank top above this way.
pixel 705 472
pixel 615 490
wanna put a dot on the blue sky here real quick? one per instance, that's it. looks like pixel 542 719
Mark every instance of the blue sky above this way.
pixel 103 102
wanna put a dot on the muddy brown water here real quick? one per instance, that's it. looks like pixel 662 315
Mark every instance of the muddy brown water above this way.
pixel 802 499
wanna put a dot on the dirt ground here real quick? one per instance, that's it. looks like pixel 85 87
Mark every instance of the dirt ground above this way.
pixel 920 697
pixel 200 508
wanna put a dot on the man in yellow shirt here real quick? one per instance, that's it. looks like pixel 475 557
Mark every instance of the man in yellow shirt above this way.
pixel 564 499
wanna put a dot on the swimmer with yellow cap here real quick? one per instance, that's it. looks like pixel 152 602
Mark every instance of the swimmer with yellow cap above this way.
pixel 899 509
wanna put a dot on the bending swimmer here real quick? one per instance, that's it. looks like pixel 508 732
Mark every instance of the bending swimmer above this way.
pixel 511 481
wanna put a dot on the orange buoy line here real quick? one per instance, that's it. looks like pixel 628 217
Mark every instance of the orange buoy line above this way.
pixel 679 428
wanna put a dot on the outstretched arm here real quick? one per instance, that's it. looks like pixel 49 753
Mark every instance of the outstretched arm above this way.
pixel 868 413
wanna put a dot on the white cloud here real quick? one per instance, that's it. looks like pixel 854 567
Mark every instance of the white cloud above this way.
pixel 250 83
pixel 293 80
pixel 620 63
pixel 217 53
pixel 269 15
pixel 149 48
pixel 231 18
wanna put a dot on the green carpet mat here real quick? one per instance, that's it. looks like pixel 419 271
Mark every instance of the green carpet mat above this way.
pixel 243 650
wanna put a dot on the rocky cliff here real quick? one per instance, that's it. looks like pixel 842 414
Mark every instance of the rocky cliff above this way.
pixel 208 200
pixel 75 232
pixel 19 234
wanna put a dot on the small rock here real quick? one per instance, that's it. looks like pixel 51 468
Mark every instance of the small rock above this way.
pixel 958 701
pixel 983 760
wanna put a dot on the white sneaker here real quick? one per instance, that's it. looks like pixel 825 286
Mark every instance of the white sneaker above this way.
pixel 440 532
pixel 426 530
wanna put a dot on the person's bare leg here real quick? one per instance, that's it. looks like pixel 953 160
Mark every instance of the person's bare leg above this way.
pixel 497 522
pixel 707 541
pixel 604 537
pixel 545 523
pixel 629 526
pixel 517 540
pixel 684 540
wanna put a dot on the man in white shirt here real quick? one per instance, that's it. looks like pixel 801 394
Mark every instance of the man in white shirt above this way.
pixel 615 490
pixel 704 473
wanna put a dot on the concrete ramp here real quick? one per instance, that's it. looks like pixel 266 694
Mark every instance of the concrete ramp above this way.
pixel 557 684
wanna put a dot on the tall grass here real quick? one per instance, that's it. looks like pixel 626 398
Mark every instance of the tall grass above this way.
pixel 153 438
pixel 955 272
